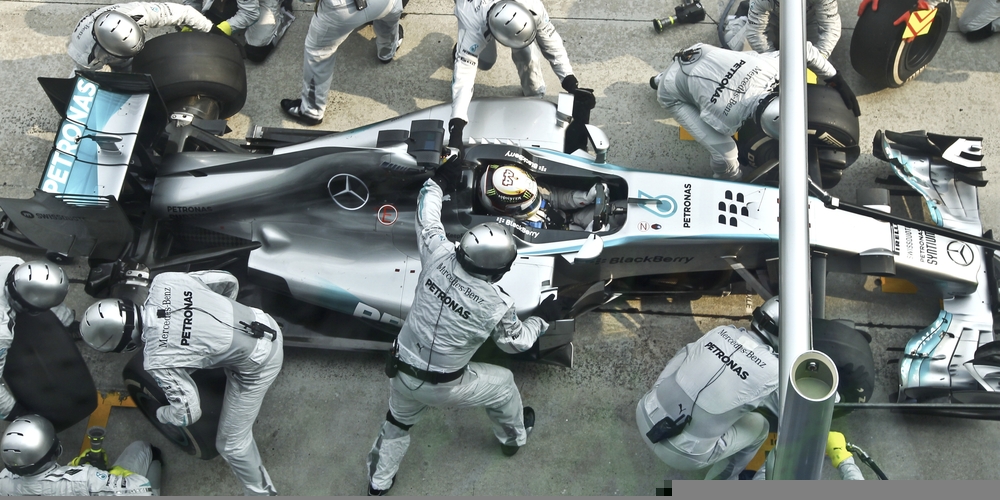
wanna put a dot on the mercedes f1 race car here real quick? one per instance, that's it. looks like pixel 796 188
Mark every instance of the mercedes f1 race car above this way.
pixel 319 226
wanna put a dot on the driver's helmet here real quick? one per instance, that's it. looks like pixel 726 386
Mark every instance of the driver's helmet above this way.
pixel 112 325
pixel 37 285
pixel 29 445
pixel 118 34
pixel 511 24
pixel 509 190
pixel 765 321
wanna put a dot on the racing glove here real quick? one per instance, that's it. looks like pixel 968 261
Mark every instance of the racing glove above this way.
pixel 222 28
pixel 581 96
pixel 449 175
pixel 866 3
pixel 120 471
pixel 456 127
pixel 836 448
pixel 91 457
pixel 837 83
pixel 549 310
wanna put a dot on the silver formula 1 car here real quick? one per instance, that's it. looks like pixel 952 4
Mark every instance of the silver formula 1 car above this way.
pixel 319 226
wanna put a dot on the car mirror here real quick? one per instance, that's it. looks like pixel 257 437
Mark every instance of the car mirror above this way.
pixel 590 250
pixel 600 141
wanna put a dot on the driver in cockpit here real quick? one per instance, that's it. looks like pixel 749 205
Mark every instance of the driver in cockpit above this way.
pixel 511 191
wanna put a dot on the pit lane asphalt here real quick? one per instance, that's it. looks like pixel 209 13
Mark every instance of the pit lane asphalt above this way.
pixel 322 414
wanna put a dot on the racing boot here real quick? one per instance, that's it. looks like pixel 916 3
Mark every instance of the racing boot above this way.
pixel 385 56
pixel 293 108
pixel 372 492
pixel 529 424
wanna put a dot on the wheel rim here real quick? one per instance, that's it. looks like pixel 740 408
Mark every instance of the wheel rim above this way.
pixel 913 57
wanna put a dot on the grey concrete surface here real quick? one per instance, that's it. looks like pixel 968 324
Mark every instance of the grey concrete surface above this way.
pixel 322 415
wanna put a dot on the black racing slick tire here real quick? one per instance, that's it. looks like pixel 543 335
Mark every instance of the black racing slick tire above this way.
pixel 187 64
pixel 833 128
pixel 878 51
pixel 852 355
pixel 197 439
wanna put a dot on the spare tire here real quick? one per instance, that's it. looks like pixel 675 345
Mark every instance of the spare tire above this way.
pixel 186 64
pixel 852 355
pixel 831 126
pixel 878 51
pixel 46 373
pixel 197 439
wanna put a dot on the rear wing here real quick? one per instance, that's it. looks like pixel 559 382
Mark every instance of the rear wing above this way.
pixel 74 211
pixel 104 116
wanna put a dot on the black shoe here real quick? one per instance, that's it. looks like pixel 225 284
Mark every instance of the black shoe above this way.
pixel 292 108
pixel 372 492
pixel 157 454
pixel 652 82
pixel 529 424
pixel 399 43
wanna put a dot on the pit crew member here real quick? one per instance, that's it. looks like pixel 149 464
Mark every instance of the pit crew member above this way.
pixel 520 25
pixel 980 19
pixel 29 449
pixel 333 22
pixel 112 35
pixel 711 91
pixel 30 287
pixel 264 23
pixel 761 18
pixel 700 412
pixel 457 306
pixel 191 321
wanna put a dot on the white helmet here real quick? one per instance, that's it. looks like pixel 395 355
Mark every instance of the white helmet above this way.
pixel 487 249
pixel 765 321
pixel 37 285
pixel 112 325
pixel 512 24
pixel 118 34
pixel 509 190
pixel 767 115
pixel 29 444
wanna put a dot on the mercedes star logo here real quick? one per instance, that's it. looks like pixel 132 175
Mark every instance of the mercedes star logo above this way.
pixel 347 191
pixel 961 253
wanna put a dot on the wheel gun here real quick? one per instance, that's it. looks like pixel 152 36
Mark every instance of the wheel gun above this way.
pixel 96 456
pixel 688 12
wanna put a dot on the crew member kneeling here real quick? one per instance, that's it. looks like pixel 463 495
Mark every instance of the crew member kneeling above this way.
pixel 700 412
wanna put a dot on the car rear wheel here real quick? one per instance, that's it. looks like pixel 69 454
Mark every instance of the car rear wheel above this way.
pixel 878 51
pixel 202 73
pixel 197 439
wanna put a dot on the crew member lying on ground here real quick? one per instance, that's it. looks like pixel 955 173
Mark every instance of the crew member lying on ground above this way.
pixel 711 91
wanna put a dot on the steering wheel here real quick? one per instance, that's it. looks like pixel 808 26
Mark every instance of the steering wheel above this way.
pixel 601 206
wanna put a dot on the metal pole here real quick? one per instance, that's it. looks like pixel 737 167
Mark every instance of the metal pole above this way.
pixel 798 454
pixel 795 318
pixel 800 447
